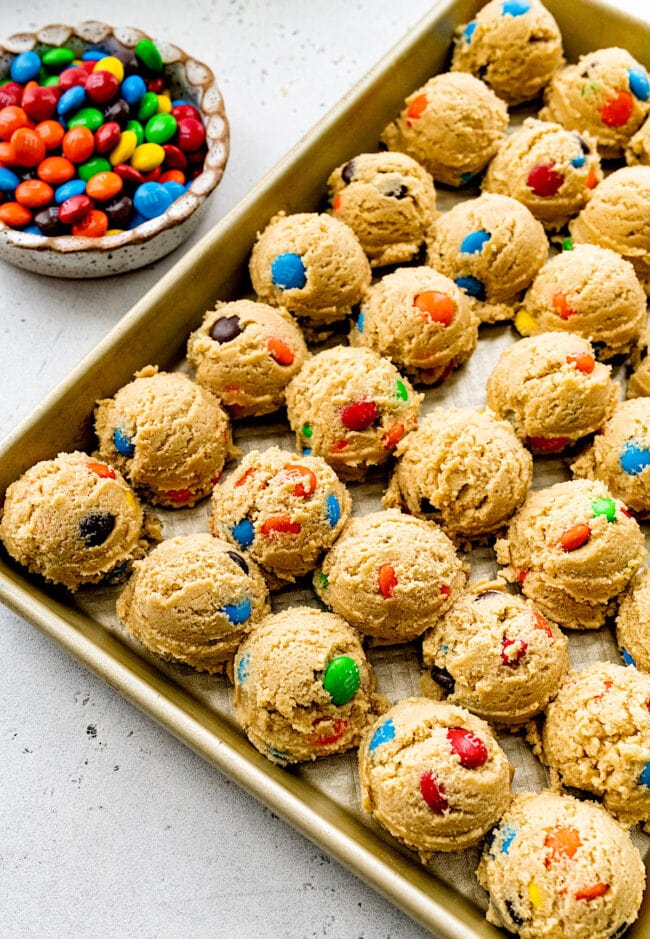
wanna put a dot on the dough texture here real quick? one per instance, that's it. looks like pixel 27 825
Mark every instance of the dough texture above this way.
pixel 617 218
pixel 591 291
pixel 303 687
pixel 452 125
pixel 193 600
pixel 391 576
pixel 168 436
pixel 494 654
pixel 638 148
pixel 73 520
pixel 560 868
pixel 633 623
pixel 605 94
pixel 551 390
pixel 550 170
pixel 464 469
pixel 573 548
pixel 492 247
pixel 389 202
pixel 352 407
pixel 620 455
pixel 515 47
pixel 597 737
pixel 433 775
pixel 638 385
pixel 246 353
pixel 281 510
pixel 420 320
pixel 312 264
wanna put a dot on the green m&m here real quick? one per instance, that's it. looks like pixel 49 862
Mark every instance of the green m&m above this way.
pixel 160 128
pixel 342 679
pixel 147 52
pixel 606 507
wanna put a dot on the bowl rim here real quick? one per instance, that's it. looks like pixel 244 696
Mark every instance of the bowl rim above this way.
pixel 209 101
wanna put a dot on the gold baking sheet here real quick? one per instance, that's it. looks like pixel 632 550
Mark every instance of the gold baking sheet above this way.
pixel 321 799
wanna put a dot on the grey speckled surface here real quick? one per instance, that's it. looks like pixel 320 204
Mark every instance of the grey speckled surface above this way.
pixel 110 827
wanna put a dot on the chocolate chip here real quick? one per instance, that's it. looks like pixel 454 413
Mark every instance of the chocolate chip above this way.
pixel 396 191
pixel 428 508
pixel 118 211
pixel 443 678
pixel 95 528
pixel 239 561
pixel 118 111
pixel 226 329
pixel 584 146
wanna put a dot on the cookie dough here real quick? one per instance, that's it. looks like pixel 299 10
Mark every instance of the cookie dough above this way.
pixel 452 125
pixel 633 623
pixel 596 736
pixel 246 353
pixel 303 687
pixel 464 469
pixel 560 868
pixel 638 385
pixel 352 407
pixel 552 391
pixel 552 171
pixel 194 600
pixel 638 148
pixel 494 654
pixel 168 436
pixel 617 217
pixel 573 549
pixel 389 202
pixel 420 320
pixel 391 576
pixel 73 520
pixel 492 247
pixel 620 455
pixel 313 265
pixel 514 46
pixel 281 510
pixel 605 94
pixel 433 775
pixel 590 291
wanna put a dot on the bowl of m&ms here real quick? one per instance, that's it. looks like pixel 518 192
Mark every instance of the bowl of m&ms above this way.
pixel 111 143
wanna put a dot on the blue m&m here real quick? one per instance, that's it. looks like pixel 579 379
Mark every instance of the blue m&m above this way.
pixel 288 272
pixel 639 84
pixel 634 458
pixel 473 243
pixel 238 613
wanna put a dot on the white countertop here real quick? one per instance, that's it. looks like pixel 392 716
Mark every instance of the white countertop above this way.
pixel 111 827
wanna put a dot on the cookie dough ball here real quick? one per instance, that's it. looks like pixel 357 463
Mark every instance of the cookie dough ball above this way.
pixel 303 687
pixel 552 171
pixel 453 125
pixel 312 264
pixel 560 868
pixel 597 737
pixel 633 623
pixel 433 775
pixel 246 353
pixel 193 600
pixel 282 510
pixel 514 46
pixel 420 320
pixel 638 148
pixel 389 202
pixel 492 247
pixel 463 469
pixel 590 291
pixel 573 549
pixel 605 94
pixel 352 407
pixel 72 520
pixel 620 455
pixel 169 436
pixel 391 576
pixel 552 391
pixel 494 654
pixel 617 218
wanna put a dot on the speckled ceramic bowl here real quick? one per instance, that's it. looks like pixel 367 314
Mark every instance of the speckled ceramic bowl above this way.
pixel 73 256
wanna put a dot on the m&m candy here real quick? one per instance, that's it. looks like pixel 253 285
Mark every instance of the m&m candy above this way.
pixel 93 143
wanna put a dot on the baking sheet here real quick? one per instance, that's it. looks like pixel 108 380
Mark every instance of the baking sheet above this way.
pixel 320 799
